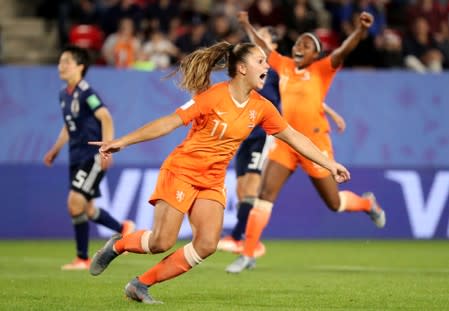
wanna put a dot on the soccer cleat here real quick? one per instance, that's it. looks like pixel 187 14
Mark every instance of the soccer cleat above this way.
pixel 128 226
pixel 77 264
pixel 240 264
pixel 104 256
pixel 138 291
pixel 377 214
pixel 228 244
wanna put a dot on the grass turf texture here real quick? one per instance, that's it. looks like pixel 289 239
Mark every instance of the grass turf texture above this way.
pixel 294 275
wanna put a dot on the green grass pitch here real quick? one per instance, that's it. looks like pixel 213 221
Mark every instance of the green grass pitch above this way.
pixel 294 275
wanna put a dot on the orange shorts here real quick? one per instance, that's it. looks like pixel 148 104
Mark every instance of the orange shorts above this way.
pixel 181 195
pixel 285 155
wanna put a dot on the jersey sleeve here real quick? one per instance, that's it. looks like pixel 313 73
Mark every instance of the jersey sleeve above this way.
pixel 327 72
pixel 194 108
pixel 272 121
pixel 92 99
pixel 275 60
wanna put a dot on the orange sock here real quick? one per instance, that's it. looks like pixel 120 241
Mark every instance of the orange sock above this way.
pixel 136 242
pixel 257 221
pixel 351 202
pixel 177 263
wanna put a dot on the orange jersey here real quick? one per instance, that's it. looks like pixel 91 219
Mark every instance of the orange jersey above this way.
pixel 303 92
pixel 219 125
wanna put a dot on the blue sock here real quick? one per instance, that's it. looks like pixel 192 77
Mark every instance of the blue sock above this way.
pixel 104 218
pixel 242 218
pixel 81 227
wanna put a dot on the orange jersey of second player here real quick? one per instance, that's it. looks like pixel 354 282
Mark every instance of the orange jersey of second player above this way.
pixel 219 125
pixel 303 92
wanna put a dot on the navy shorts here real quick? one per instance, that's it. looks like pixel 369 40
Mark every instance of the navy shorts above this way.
pixel 251 156
pixel 85 177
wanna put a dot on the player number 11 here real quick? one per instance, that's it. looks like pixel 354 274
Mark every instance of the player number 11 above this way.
pixel 218 124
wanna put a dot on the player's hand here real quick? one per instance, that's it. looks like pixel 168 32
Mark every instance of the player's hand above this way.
pixel 106 162
pixel 340 123
pixel 243 18
pixel 108 147
pixel 366 20
pixel 340 173
pixel 49 157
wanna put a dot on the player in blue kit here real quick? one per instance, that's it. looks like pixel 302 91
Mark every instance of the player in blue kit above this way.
pixel 250 159
pixel 86 118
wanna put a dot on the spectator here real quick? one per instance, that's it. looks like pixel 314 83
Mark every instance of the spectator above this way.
pixel 86 12
pixel 390 49
pixel 420 49
pixel 431 11
pixel 220 27
pixel 443 43
pixel 160 50
pixel 121 48
pixel 160 13
pixel 193 39
pixel 302 18
pixel 265 13
pixel 115 13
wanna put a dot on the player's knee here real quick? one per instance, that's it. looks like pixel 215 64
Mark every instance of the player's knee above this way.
pixel 76 203
pixel 205 246
pixel 267 194
pixel 160 243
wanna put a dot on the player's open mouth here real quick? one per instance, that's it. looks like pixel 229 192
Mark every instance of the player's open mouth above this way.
pixel 298 57
pixel 263 76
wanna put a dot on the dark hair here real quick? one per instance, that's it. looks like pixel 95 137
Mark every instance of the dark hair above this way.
pixel 80 55
pixel 198 65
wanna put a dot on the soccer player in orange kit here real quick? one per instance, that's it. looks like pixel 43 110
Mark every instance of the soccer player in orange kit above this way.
pixel 191 180
pixel 304 81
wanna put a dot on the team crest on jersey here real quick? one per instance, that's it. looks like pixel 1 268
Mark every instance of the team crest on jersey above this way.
pixel 252 118
pixel 252 115
pixel 179 195
pixel 75 107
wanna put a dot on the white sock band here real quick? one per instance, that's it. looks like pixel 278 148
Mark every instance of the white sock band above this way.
pixel 96 213
pixel 191 255
pixel 343 200
pixel 144 241
pixel 80 219
pixel 263 205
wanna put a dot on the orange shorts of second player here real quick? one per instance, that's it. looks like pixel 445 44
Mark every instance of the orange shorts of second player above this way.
pixel 181 195
pixel 285 155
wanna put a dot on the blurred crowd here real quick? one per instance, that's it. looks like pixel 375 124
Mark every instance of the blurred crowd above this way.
pixel 155 34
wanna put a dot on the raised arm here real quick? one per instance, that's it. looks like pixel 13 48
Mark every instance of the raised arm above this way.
pixel 252 33
pixel 339 54
pixel 304 146
pixel 149 131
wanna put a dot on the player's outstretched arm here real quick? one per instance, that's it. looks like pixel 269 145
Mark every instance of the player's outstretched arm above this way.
pixel 62 139
pixel 340 53
pixel 107 132
pixel 304 146
pixel 252 33
pixel 149 131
